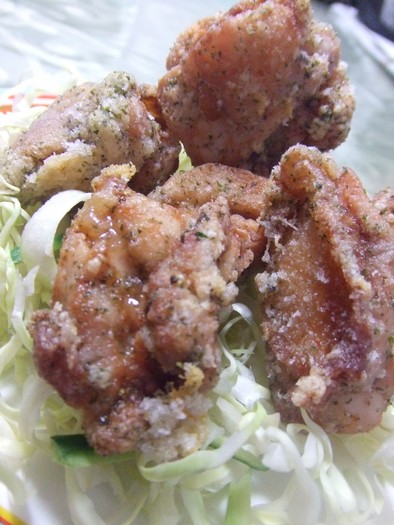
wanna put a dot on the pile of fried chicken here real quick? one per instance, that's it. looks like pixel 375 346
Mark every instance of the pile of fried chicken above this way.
pixel 256 95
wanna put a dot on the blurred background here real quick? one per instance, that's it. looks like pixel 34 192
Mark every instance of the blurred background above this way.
pixel 93 37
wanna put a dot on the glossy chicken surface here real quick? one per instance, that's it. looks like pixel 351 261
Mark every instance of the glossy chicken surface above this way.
pixel 327 293
pixel 132 332
pixel 245 85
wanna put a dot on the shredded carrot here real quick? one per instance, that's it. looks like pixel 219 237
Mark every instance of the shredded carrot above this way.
pixel 44 99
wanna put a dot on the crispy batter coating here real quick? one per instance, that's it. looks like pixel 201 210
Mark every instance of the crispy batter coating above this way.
pixel 192 188
pixel 245 85
pixel 89 127
pixel 327 293
pixel 243 191
pixel 131 335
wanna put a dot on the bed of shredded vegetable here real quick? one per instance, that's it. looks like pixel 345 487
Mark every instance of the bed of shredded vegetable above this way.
pixel 252 469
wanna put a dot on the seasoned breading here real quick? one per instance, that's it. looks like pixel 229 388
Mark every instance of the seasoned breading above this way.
pixel 242 189
pixel 89 127
pixel 244 193
pixel 245 85
pixel 327 293
pixel 134 316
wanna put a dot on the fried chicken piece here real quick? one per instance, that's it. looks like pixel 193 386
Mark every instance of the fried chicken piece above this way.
pixel 243 191
pixel 327 293
pixel 131 335
pixel 244 86
pixel 89 127
pixel 192 188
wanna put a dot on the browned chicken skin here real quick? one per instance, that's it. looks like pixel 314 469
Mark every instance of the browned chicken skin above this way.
pixel 327 293
pixel 89 127
pixel 134 317
pixel 243 86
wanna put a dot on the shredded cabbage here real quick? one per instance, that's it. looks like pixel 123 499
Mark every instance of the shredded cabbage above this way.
pixel 37 241
pixel 27 100
pixel 252 469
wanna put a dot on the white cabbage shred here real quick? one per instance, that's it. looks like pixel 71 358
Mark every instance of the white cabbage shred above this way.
pixel 252 469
